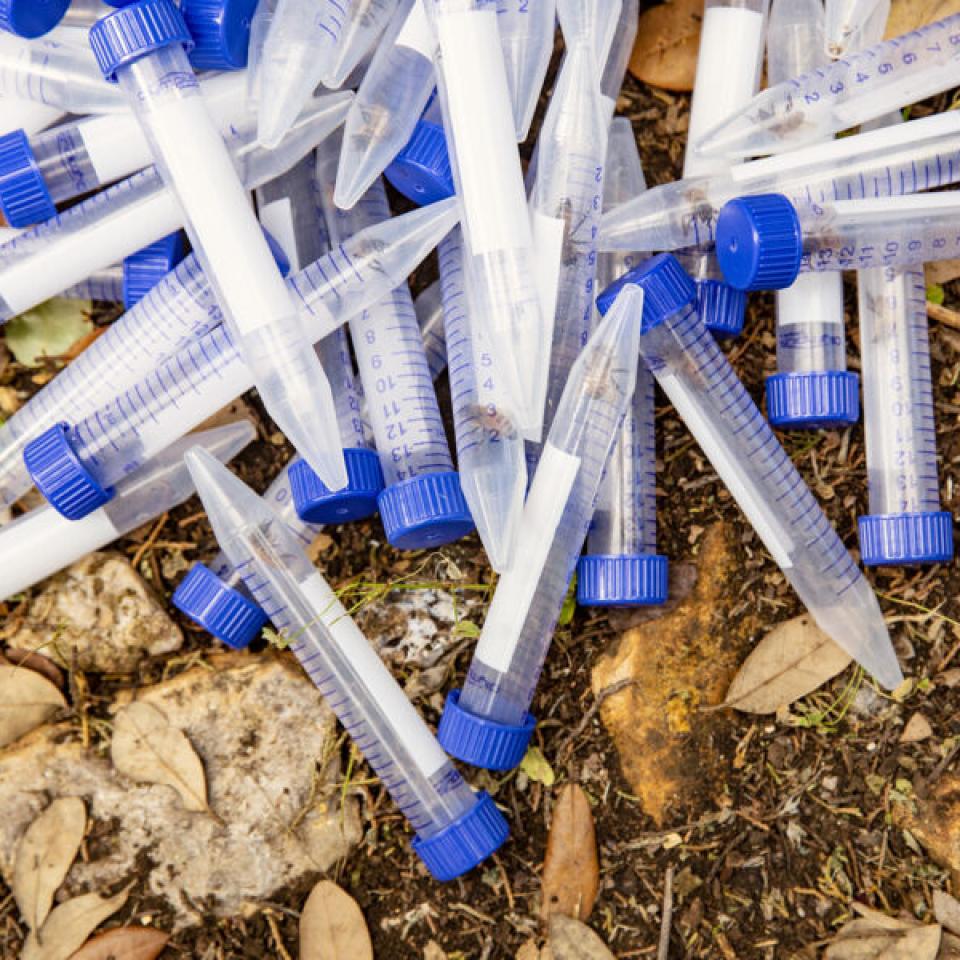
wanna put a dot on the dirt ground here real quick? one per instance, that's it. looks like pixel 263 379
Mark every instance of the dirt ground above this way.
pixel 772 878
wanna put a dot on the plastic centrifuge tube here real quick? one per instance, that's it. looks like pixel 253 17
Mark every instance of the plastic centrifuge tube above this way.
pixel 706 392
pixel 621 566
pixel 526 36
pixel 905 524
pixel 422 504
pixel 488 723
pixel 364 21
pixel 456 829
pixel 567 197
pixel 79 156
pixel 142 48
pixel 618 56
pixel 844 23
pixel 812 387
pixel 31 18
pixel 26 115
pixel 390 99
pixel 85 13
pixel 490 450
pixel 893 161
pixel 429 308
pixel 848 92
pixel 500 255
pixel 41 542
pixel 207 372
pixel 52 256
pixel 290 209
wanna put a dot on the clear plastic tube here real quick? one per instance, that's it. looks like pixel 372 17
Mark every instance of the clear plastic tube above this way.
pixel 918 155
pixel 363 24
pixel 851 91
pixel 844 22
pixel 105 284
pixel 490 454
pixel 56 74
pixel 429 308
pixel 347 671
pixel 41 542
pixel 390 99
pixel 615 68
pixel 526 36
pixel 26 115
pixel 719 412
pixel 84 13
pixel 516 634
pixel 52 256
pixel 496 223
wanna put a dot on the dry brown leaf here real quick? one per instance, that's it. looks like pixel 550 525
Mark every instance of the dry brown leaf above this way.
pixel 332 926
pixel 124 943
pixel 907 15
pixel 792 660
pixel 69 925
pixel 941 271
pixel 572 940
pixel 947 911
pixel 917 728
pixel 921 943
pixel 44 856
pixel 949 947
pixel 38 663
pixel 433 951
pixel 891 939
pixel 26 701
pixel 870 919
pixel 571 872
pixel 146 747
pixel 529 951
pixel 668 41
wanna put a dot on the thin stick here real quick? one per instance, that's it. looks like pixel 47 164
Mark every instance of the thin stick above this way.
pixel 666 917
pixel 944 315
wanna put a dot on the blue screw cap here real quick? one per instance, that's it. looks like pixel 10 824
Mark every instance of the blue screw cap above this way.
pixel 316 503
pixel 465 842
pixel 218 608
pixel 481 742
pixel 221 32
pixel 24 197
pixel 722 307
pixel 902 539
pixel 143 270
pixel 31 18
pixel 759 242
pixel 59 475
pixel 425 511
pixel 667 289
pixel 815 400
pixel 136 31
pixel 640 580
pixel 421 170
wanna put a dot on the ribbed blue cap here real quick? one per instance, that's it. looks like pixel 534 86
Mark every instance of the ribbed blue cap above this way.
pixel 31 18
pixel 759 242
pixel 425 511
pixel 481 742
pixel 466 842
pixel 640 580
pixel 136 31
pixel 810 401
pixel 221 32
pixel 900 539
pixel 59 475
pixel 143 270
pixel 421 170
pixel 721 307
pixel 667 289
pixel 219 609
pixel 24 197
pixel 316 503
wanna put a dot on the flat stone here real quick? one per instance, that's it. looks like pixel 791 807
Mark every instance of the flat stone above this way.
pixel 671 667
pixel 98 614
pixel 267 743
pixel 934 819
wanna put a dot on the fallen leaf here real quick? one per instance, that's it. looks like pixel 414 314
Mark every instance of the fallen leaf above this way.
pixel 918 728
pixel 26 701
pixel 529 951
pixel 572 940
pixel 49 330
pixel 868 918
pixel 44 855
pixel 921 943
pixel 332 926
pixel 69 925
pixel 433 951
pixel 124 943
pixel 947 911
pixel 146 747
pixel 863 940
pixel 667 45
pixel 37 662
pixel 792 660
pixel 941 271
pixel 949 947
pixel 535 765
pixel 571 872
pixel 907 15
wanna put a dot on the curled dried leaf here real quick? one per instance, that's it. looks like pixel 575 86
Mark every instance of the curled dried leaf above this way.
pixel 124 943
pixel 26 701
pixel 332 926
pixel 571 871
pixel 69 925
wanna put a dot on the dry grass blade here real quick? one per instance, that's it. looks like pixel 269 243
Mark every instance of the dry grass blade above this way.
pixel 26 701
pixel 332 926
pixel 572 940
pixel 791 661
pixel 146 747
pixel 44 856
pixel 571 871
pixel 69 925
pixel 124 943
